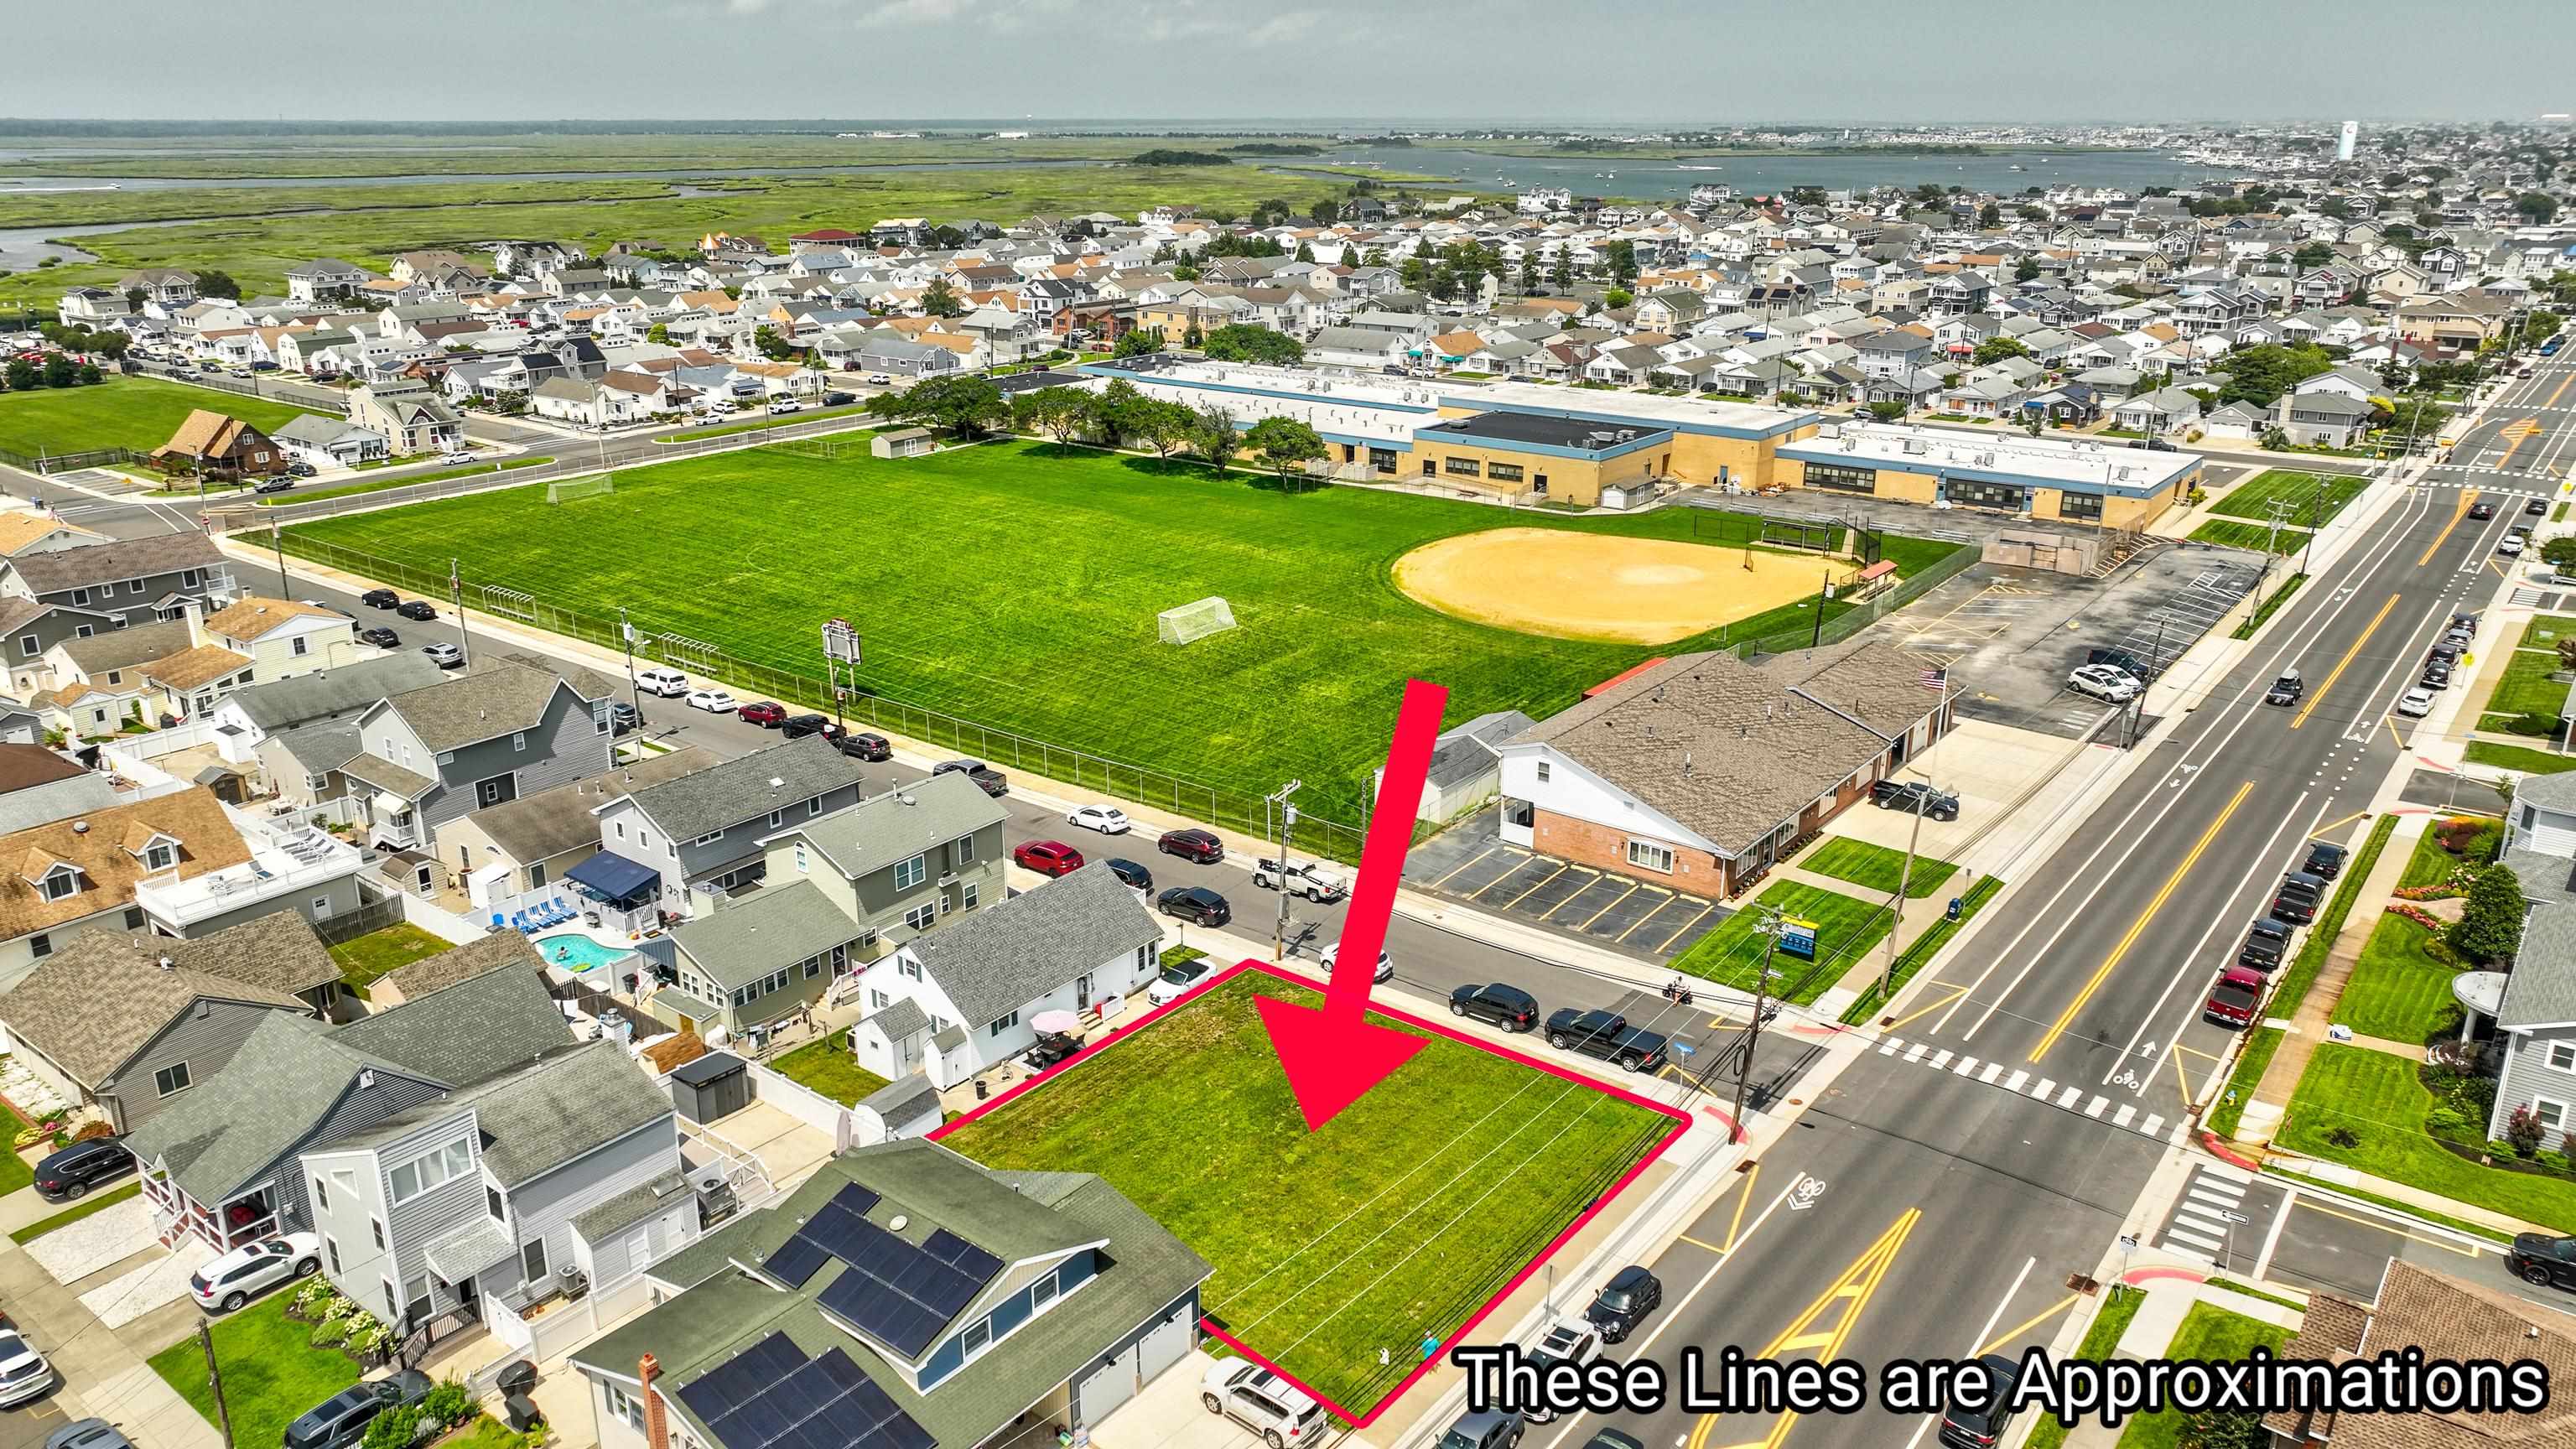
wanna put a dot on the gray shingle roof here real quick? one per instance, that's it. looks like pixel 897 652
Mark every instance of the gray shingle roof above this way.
pixel 322 694
pixel 901 1020
pixel 2541 991
pixel 125 648
pixel 536 1120
pixel 117 561
pixel 903 1099
pixel 900 823
pixel 35 805
pixel 479 705
pixel 94 1003
pixel 464 1033
pixel 1005 956
pixel 739 790
pixel 629 1207
pixel 463 963
pixel 551 822
pixel 770 929
pixel 384 774
pixel 219 1135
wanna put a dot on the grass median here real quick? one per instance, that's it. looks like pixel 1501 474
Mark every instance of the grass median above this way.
pixel 1925 947
pixel 2100 1338
pixel 1847 928
pixel 2295 983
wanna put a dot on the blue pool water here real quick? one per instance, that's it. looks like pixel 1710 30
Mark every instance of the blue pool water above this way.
pixel 577 953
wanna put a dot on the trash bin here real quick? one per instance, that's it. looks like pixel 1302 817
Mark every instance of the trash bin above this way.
pixel 521 1412
pixel 982 1089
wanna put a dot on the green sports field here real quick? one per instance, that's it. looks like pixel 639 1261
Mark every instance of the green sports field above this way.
pixel 123 412
pixel 1016 585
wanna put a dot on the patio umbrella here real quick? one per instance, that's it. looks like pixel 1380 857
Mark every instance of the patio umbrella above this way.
pixel 1056 1023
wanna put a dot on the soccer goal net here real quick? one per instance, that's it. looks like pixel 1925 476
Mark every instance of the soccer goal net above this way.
pixel 575 488
pixel 1192 622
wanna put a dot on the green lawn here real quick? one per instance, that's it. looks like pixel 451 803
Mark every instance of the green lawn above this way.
pixel 2314 499
pixel 1399 1218
pixel 2208 1334
pixel 2256 536
pixel 379 952
pixel 1925 947
pixel 828 1067
pixel 272 1372
pixel 2100 1337
pixel 15 1171
pixel 2377 1103
pixel 2516 757
pixel 2244 1078
pixel 1877 867
pixel 378 485
pixel 2430 863
pixel 2525 686
pixel 77 1211
pixel 1847 927
pixel 1047 570
pixel 2269 606
pixel 123 412
pixel 753 425
pixel 2399 991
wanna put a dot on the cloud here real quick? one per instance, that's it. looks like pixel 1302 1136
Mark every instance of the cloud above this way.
pixel 911 12
pixel 1285 26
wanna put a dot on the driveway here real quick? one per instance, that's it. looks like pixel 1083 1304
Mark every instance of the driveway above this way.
pixel 1470 864
pixel 76 1250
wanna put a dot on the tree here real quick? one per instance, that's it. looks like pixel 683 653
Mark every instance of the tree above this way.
pixel 218 284
pixel 2028 212
pixel 1062 413
pixel 1617 297
pixel 1118 413
pixel 1886 410
pixel 940 299
pixel 2540 326
pixel 1325 212
pixel 21 374
pixel 2026 269
pixel 1214 438
pixel 1996 349
pixel 1305 253
pixel 771 345
pixel 658 333
pixel 1242 342
pixel 89 374
pixel 1529 275
pixel 1138 342
pixel 1285 444
pixel 135 296
pixel 2490 926
pixel 2312 256
pixel 1990 216
pixel 2537 207
pixel 1622 257
pixel 1560 268
pixel 969 407
pixel 60 370
pixel 1166 427
pixel 2260 374
pixel 1194 337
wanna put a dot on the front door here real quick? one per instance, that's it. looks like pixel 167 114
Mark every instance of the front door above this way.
pixel 468 1301
pixel 1082 993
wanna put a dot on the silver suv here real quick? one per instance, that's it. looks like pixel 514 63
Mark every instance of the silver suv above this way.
pixel 1270 1406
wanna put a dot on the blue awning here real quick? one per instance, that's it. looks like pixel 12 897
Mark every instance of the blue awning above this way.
pixel 614 878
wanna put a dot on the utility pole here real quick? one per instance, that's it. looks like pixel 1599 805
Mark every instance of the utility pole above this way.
pixel 277 538
pixel 215 1380
pixel 456 592
pixel 2280 510
pixel 634 691
pixel 1753 1029
pixel 1287 830
pixel 1904 885
pixel 1824 591
pixel 2155 652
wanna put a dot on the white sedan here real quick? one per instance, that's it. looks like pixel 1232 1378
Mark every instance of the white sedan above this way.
pixel 2103 682
pixel 1107 819
pixel 1385 963
pixel 2415 703
pixel 461 455
pixel 24 1374
pixel 714 701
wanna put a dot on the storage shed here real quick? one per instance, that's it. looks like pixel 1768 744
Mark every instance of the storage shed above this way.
pixel 714 1086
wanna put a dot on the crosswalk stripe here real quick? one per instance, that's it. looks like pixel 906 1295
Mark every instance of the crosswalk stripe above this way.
pixel 1888 1047
pixel 1940 1060
pixel 2127 1111
pixel 2047 1085
pixel 2013 1082
pixel 2225 1172
pixel 1965 1065
pixel 2067 1099
pixel 1992 1071
pixel 1914 1053
pixel 2200 1193
pixel 2095 1107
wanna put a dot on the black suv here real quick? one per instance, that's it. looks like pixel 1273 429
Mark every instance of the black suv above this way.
pixel 76 1169
pixel 2325 860
pixel 860 745
pixel 1624 1302
pixel 419 610
pixel 1195 904
pixel 1497 1004
pixel 381 637
pixel 2265 945
pixel 1916 796
pixel 1966 1428
pixel 798 726
pixel 2542 1259
pixel 1131 875
pixel 342 1419
pixel 2298 899
pixel 1607 1036
pixel 380 598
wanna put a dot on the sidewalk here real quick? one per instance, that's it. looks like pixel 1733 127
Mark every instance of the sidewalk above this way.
pixel 101 1375
pixel 2336 1175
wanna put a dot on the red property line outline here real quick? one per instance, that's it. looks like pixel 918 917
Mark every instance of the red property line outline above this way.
pixel 1681 1123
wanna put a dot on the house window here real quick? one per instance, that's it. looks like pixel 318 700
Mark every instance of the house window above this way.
pixel 2550 1112
pixel 909 873
pixel 82 631
pixel 2079 505
pixel 1042 1292
pixel 331 1250
pixel 171 1079
pixel 977 1337
pixel 27 645
pixel 1542 772
pixel 59 884
pixel 813 967
pixel 1003 1024
pixel 920 916
pixel 800 857
pixel 393 1309
pixel 134 586
pixel 627 1407
pixel 1462 467
pixel 536 875
pixel 321 1197
pixel 813 807
pixel 1842 477
pixel 419 1175
pixel 961 850
pixel 911 968
pixel 519 740
pixel 299 646
pixel 966 896
pixel 878 1000
pixel 533 1258
pixel 160 857
pixel 643 840
pixel 2562 1056
pixel 777 818
pixel 377 1227
pixel 1647 855
pixel 1503 472
pixel 134 918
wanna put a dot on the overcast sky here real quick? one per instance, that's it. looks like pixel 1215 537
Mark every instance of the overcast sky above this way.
pixel 1599 61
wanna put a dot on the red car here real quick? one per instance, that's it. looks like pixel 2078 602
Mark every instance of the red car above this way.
pixel 765 714
pixel 1192 844
pixel 1047 857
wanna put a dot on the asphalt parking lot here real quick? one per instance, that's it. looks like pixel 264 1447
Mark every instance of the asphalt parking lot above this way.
pixel 1467 863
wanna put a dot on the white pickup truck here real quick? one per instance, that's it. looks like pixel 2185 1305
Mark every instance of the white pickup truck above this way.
pixel 1317 883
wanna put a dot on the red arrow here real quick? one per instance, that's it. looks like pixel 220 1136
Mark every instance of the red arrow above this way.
pixel 1331 1053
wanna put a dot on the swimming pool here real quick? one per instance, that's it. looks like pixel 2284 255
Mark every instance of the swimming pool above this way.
pixel 578 953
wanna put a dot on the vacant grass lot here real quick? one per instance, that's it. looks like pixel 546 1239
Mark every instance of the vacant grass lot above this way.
pixel 2314 499
pixel 2256 536
pixel 2366 1109
pixel 2399 991
pixel 1400 1218
pixel 2209 1334
pixel 377 953
pixel 2525 686
pixel 1877 867
pixel 1016 585
pixel 378 485
pixel 123 412
pixel 828 1068
pixel 1846 928
pixel 2516 757
pixel 272 1371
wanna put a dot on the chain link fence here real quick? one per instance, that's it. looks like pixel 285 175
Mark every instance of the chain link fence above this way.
pixel 1002 748
pixel 1868 611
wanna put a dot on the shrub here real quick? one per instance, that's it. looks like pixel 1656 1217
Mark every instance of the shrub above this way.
pixel 2490 925
pixel 2522 1131
pixel 329 1334
pixel 2533 726
pixel 314 1293
pixel 337 1308
pixel 395 1428
pixel 2343 1137
pixel 449 1403
pixel 2484 845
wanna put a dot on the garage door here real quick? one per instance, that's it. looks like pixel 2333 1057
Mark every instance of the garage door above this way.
pixel 1164 1345
pixel 1106 1389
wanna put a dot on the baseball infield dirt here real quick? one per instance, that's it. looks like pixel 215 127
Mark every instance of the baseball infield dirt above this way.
pixel 1601 587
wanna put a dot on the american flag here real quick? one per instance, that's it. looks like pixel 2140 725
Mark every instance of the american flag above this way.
pixel 1934 679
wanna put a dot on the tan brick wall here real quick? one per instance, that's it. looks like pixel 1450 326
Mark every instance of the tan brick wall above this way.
pixel 1566 838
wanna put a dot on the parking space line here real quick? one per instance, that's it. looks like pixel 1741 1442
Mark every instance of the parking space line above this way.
pixel 1570 900
pixel 1462 865
pixel 1641 920
pixel 1686 925
pixel 1605 910
pixel 1525 895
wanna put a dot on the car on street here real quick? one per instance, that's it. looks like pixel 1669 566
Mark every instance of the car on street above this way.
pixel 987 779
pixel 1192 843
pixel 1568 1340
pixel 780 407
pixel 341 1420
pixel 1270 1406
pixel 2436 676
pixel 1384 971
pixel 2298 898
pixel 444 655
pixel 1195 904
pixel 1605 1036
pixel 87 1434
pixel 1484 1429
pixel 839 399
pixel 879 379
pixel 1107 819
pixel 713 701
pixel 765 713
pixel 1175 979
pixel 380 598
pixel 24 1374
pixel 1317 883
pixel 381 637
pixel 860 745
pixel 2104 683
pixel 1979 1426
pixel 2482 509
pixel 1916 796
pixel 1496 1003
pixel 2288 689
pixel 76 1169
pixel 2536 507
pixel 2541 1259
pixel 2325 860
pixel 798 726
pixel 2236 997
pixel 419 611
pixel 664 683
pixel 456 456
pixel 1624 1301
pixel 1613 1439
pixel 281 483
pixel 253 1268
pixel 2265 944
pixel 2510 546
pixel 2415 703
pixel 1046 857
pixel 1135 877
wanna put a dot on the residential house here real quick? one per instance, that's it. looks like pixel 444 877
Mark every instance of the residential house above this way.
pixel 47 598
pixel 501 730
pixel 127 1021
pixel 705 829
pixel 524 845
pixel 2527 1019
pixel 2445 1319
pixel 322 279
pixel 2453 321
pixel 494 951
pixel 411 416
pixel 250 717
pixel 1081 943
pixel 94 307
pixel 327 442
pixel 282 638
pixel 757 959
pixel 899 862
pixel 34 530
pixel 2324 419
pixel 2156 414
pixel 79 874
pixel 1067 1301
pixel 193 681
pixel 215 444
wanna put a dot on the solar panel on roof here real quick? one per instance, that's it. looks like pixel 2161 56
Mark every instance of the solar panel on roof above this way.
pixel 794 1261
pixel 962 1255
pixel 771 1396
